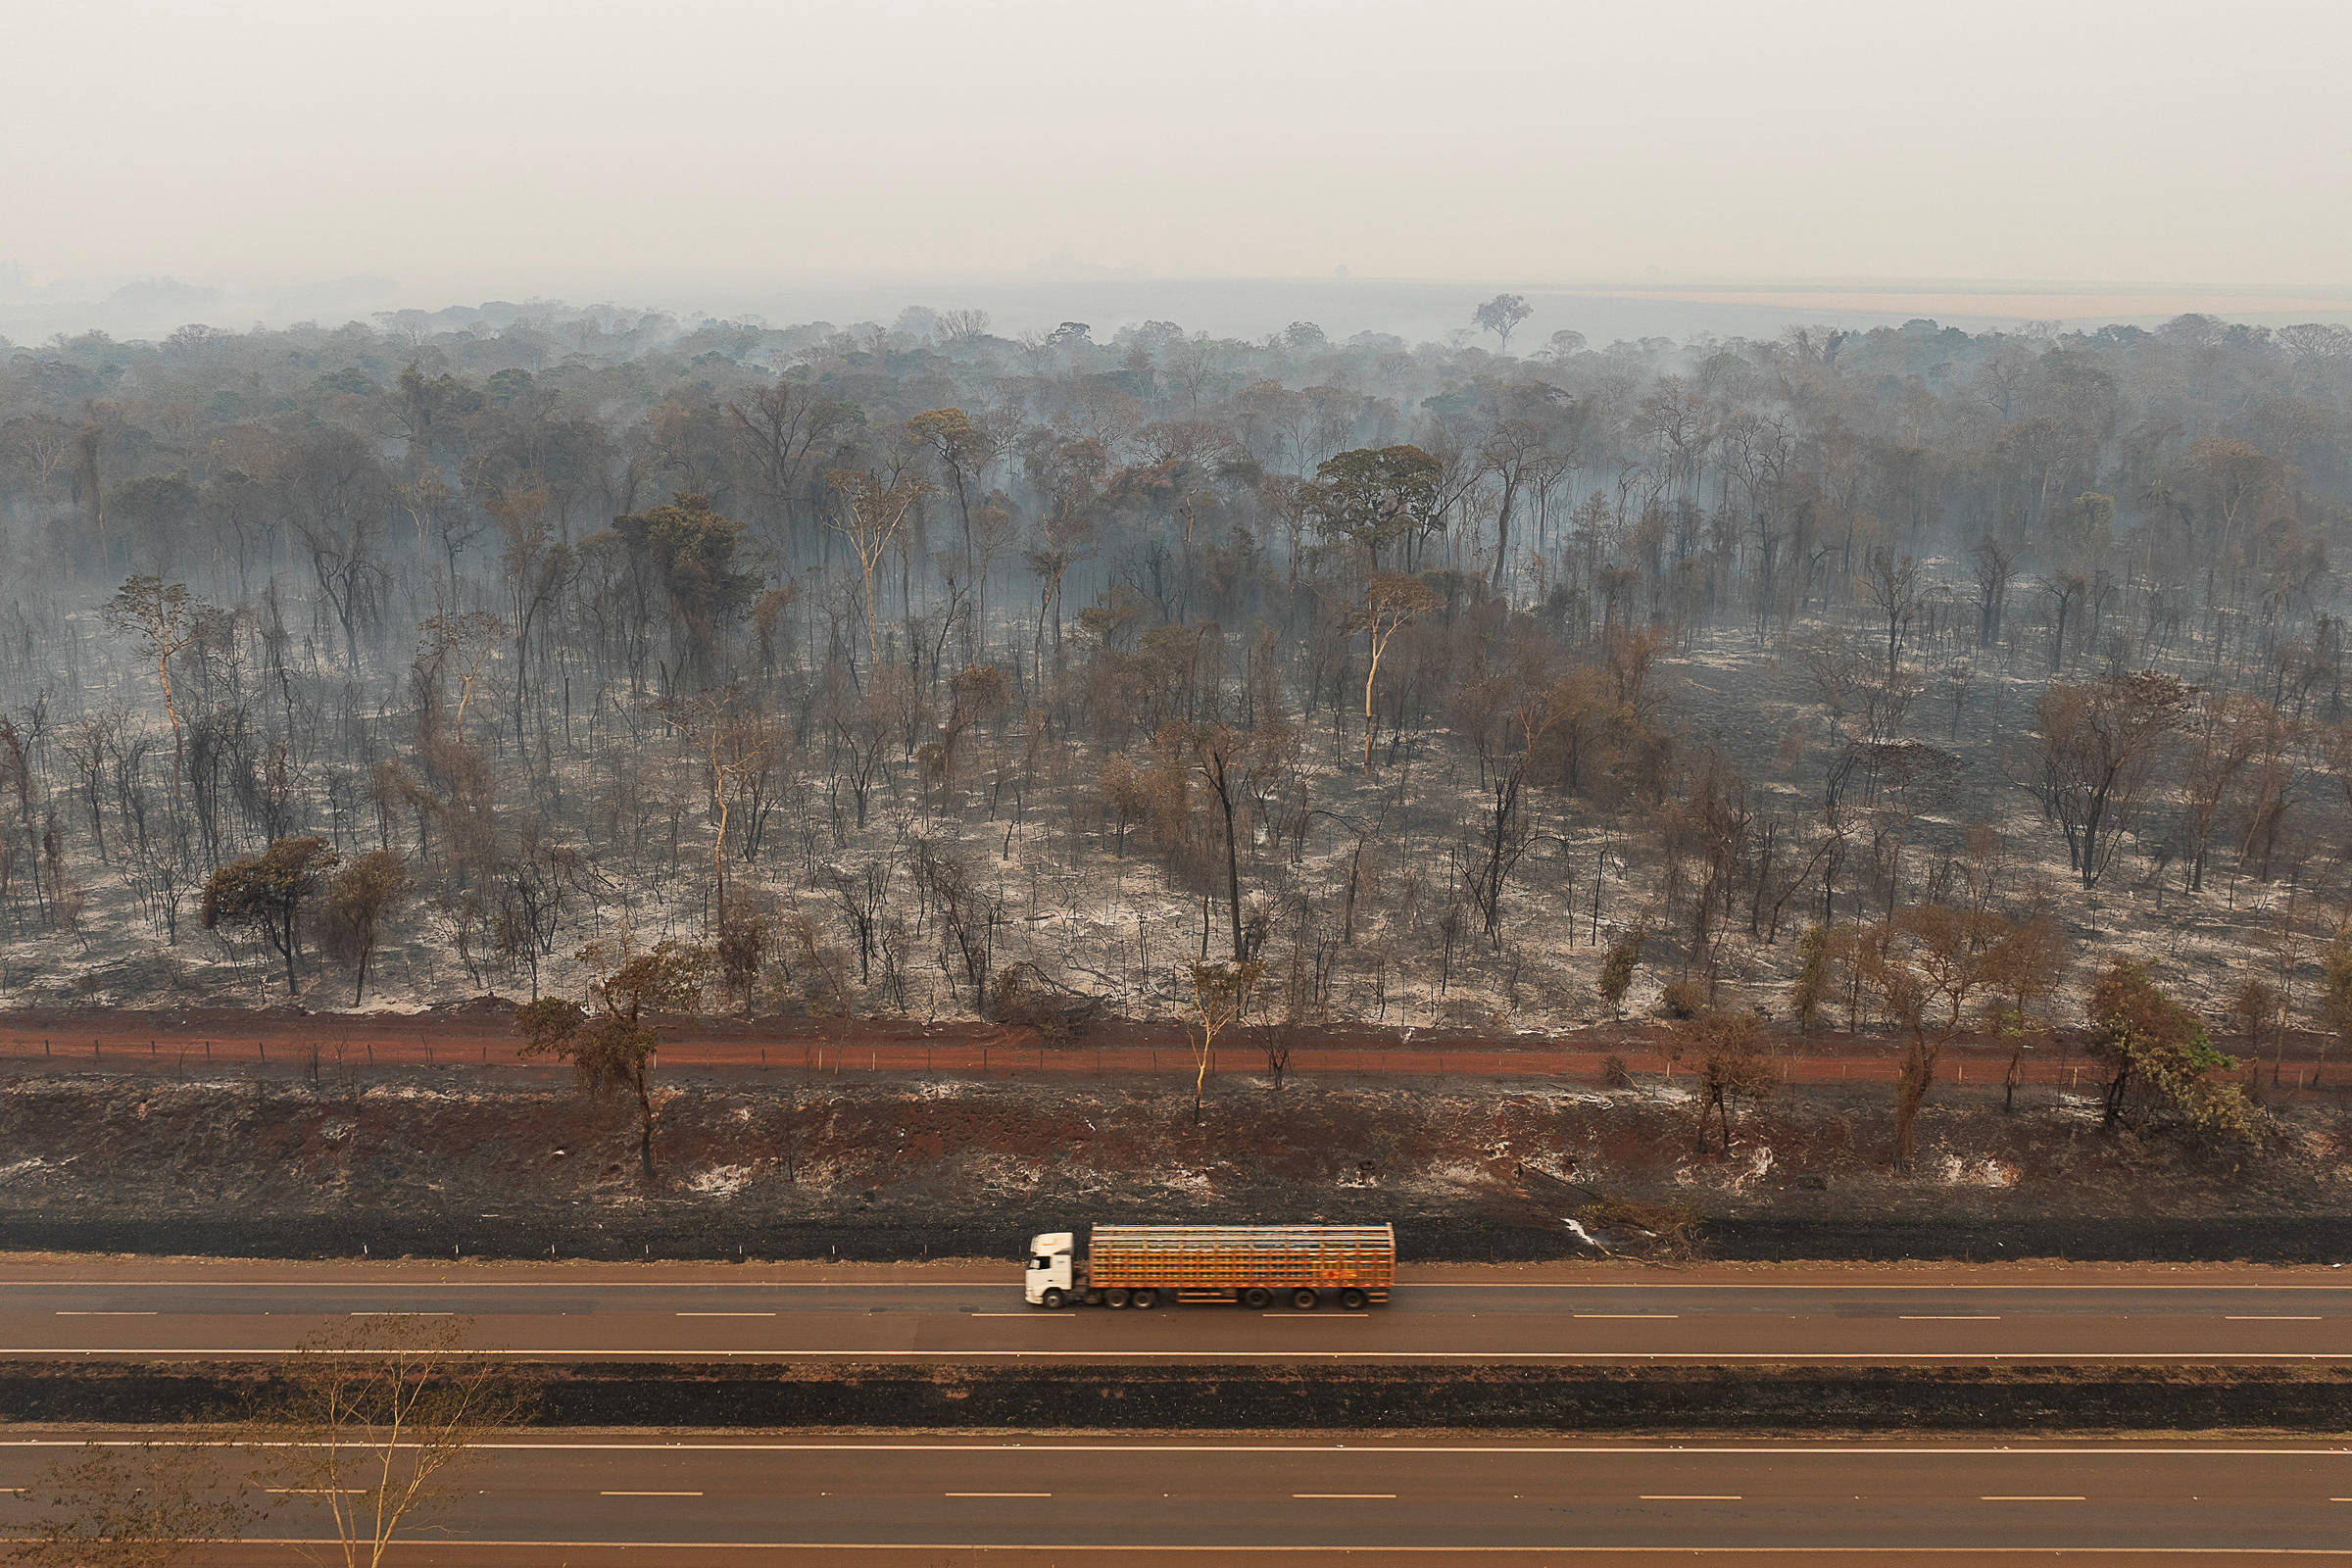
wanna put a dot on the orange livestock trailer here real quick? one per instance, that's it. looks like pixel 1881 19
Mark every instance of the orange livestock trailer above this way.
pixel 1257 1265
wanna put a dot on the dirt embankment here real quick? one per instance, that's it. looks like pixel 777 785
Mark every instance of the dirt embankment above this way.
pixel 1885 1399
pixel 421 1161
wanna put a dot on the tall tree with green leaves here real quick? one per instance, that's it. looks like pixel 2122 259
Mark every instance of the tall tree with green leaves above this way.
pixel 1377 497
pixel 2160 1061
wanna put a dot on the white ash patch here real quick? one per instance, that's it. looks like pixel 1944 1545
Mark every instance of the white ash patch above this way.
pixel 411 1091
pixel 720 1181
pixel 1736 1175
pixel 1985 1171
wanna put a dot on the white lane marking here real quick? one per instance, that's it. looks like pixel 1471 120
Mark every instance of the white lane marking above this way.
pixel 384 1282
pixel 1039 1315
pixel 1353 1548
pixel 648 1493
pixel 399 1314
pixel 1643 1317
pixel 1114 1353
pixel 1352 1496
pixel 1692 1496
pixel 722 1315
pixel 1309 1315
pixel 1949 1317
pixel 105 1314
pixel 2274 1317
pixel 996 1494
pixel 1353 1449
pixel 1955 1286
pixel 318 1491
pixel 2028 1497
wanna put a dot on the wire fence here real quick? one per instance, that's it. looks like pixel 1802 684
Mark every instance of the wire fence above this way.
pixel 183 1058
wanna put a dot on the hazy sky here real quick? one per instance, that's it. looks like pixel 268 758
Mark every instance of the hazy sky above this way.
pixel 603 147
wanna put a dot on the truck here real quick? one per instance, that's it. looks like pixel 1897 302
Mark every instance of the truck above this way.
pixel 1257 1265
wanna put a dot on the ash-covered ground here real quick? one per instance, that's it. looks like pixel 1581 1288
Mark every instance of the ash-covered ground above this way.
pixel 435 1161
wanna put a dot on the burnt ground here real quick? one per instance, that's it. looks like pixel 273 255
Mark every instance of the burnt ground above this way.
pixel 417 1160
pixel 1030 1397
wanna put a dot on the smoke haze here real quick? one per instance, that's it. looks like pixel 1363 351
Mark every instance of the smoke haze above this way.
pixel 711 153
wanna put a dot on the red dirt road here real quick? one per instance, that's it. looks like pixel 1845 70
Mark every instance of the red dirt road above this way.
pixel 480 1035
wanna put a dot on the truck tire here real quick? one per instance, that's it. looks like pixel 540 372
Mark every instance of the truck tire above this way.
pixel 1304 1299
pixel 1055 1300
pixel 1257 1295
pixel 1114 1297
pixel 1353 1300
pixel 1145 1300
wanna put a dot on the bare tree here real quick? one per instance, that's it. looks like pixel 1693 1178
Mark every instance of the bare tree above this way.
pixel 1893 584
pixel 871 516
pixel 2097 754
pixel 165 617
pixel 1392 599
pixel 1502 316
pixel 380 1414
pixel 1220 997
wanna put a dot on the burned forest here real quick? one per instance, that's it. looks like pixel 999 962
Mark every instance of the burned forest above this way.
pixel 1905 679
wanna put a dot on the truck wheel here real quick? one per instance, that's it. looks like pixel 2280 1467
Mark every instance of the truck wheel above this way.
pixel 1114 1297
pixel 1146 1299
pixel 1353 1300
pixel 1257 1295
pixel 1054 1299
pixel 1305 1299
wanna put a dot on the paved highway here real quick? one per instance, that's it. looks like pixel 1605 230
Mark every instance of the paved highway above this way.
pixel 592 1499
pixel 84 1306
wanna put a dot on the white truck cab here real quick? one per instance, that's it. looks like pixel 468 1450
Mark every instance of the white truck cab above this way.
pixel 1051 1269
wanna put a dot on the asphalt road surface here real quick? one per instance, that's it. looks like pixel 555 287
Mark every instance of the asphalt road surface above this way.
pixel 1797 1313
pixel 596 1499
